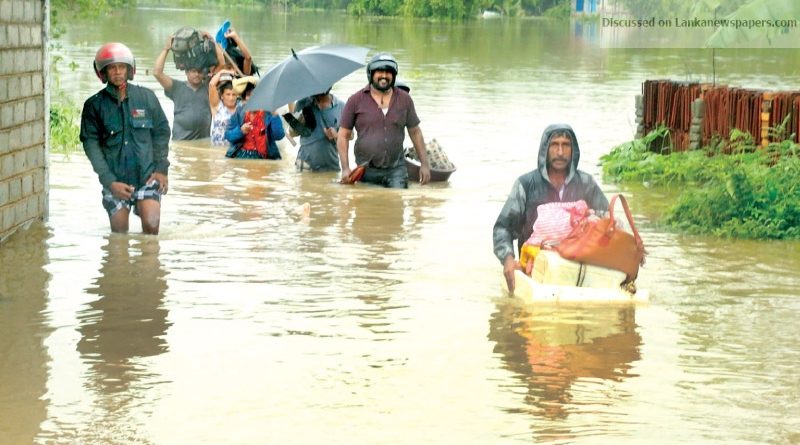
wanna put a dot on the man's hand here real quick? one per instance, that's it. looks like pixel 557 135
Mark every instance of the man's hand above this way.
pixel 163 182
pixel 246 127
pixel 509 266
pixel 330 133
pixel 231 34
pixel 223 71
pixel 346 173
pixel 415 133
pixel 424 174
pixel 120 190
pixel 169 43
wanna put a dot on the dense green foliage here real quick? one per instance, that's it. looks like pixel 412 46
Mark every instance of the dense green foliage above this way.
pixel 64 113
pixel 724 36
pixel 459 9
pixel 751 193
pixel 680 8
pixel 435 9
pixel 446 9
pixel 755 9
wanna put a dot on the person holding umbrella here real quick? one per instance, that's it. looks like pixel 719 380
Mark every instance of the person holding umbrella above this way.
pixel 252 133
pixel 309 72
pixel 380 114
pixel 318 130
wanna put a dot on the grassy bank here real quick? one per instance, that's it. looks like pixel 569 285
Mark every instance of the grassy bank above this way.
pixel 753 192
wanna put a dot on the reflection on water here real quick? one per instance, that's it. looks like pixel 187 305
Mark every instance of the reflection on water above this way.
pixel 121 332
pixel 23 325
pixel 365 321
pixel 551 348
pixel 377 219
pixel 128 321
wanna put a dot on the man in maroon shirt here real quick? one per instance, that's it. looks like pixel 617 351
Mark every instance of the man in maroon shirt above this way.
pixel 380 113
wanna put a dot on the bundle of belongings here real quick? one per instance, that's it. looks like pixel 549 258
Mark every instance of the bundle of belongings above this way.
pixel 192 50
pixel 237 57
pixel 437 158
pixel 571 246
pixel 441 167
pixel 234 54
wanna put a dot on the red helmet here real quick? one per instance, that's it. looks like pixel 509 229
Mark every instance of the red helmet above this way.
pixel 113 53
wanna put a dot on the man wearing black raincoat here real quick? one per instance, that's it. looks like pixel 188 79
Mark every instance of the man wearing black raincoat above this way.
pixel 125 135
pixel 556 179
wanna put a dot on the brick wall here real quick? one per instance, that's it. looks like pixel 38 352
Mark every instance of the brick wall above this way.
pixel 24 116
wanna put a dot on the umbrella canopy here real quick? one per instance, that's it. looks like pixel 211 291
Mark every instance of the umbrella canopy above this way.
pixel 305 73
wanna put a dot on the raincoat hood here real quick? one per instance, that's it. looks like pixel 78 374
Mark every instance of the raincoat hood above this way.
pixel 543 145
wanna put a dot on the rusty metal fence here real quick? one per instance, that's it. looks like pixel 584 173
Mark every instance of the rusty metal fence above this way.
pixel 700 114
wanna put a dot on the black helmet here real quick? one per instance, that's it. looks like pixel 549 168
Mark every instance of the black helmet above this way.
pixel 403 86
pixel 384 62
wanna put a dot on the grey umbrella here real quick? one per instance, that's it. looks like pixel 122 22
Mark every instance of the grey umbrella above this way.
pixel 305 73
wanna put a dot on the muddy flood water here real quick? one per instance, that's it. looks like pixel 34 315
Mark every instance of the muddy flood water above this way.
pixel 380 316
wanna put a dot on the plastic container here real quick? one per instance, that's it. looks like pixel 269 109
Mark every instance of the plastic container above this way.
pixel 528 253
pixel 550 268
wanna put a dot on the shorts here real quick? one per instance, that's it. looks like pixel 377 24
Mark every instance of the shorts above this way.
pixel 114 205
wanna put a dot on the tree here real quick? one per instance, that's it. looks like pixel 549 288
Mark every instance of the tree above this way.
pixel 375 7
pixel 645 9
pixel 729 36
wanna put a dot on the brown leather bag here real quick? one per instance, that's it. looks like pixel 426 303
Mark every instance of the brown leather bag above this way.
pixel 603 243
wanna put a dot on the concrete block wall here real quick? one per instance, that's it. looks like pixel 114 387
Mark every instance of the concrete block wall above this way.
pixel 24 116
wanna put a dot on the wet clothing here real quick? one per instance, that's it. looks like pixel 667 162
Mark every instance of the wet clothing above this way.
pixel 394 177
pixel 380 137
pixel 533 188
pixel 301 165
pixel 256 138
pixel 127 141
pixel 113 204
pixel 316 150
pixel 259 142
pixel 192 115
pixel 219 123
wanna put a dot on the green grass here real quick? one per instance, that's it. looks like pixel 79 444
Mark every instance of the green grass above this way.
pixel 751 193
pixel 64 128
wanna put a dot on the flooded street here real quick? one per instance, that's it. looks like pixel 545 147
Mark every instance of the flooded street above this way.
pixel 380 317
